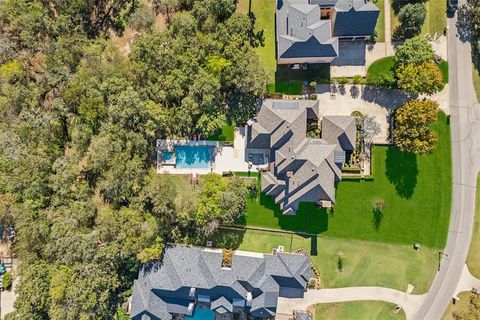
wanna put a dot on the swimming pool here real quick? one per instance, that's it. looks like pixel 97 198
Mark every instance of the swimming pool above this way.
pixel 193 157
pixel 201 314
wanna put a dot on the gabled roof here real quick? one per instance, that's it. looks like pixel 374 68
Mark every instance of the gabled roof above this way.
pixel 302 33
pixel 355 18
pixel 340 130
pixel 165 288
pixel 304 169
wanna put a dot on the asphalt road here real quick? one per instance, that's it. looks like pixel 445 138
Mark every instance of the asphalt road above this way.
pixel 465 134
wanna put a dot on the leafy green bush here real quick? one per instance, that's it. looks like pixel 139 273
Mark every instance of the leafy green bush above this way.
pixel 7 281
pixel 313 96
pixel 358 79
pixel 342 80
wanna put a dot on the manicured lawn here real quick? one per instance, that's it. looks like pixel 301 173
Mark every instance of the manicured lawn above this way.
pixel 264 11
pixel 435 21
pixel 381 69
pixel 357 310
pixel 293 88
pixel 444 68
pixel 415 192
pixel 473 259
pixel 226 134
pixel 366 263
pixel 380 27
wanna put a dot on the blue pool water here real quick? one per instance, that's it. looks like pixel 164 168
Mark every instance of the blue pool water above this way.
pixel 193 156
pixel 201 314
pixel 168 157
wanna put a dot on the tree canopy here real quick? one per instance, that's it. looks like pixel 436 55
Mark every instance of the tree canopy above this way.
pixel 78 124
pixel 413 51
pixel 411 132
pixel 411 17
pixel 423 78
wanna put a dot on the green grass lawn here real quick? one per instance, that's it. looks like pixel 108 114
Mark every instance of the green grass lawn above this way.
pixel 226 134
pixel 473 259
pixel 264 11
pixel 444 69
pixel 380 27
pixel 415 192
pixel 435 21
pixel 380 66
pixel 366 263
pixel 357 310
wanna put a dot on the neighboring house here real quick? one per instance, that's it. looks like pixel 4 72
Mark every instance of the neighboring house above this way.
pixel 309 31
pixel 192 282
pixel 301 169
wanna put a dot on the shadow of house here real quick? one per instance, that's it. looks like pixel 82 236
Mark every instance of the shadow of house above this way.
pixel 401 171
pixel 389 99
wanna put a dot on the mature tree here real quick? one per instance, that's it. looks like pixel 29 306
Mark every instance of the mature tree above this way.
pixel 142 19
pixel 411 131
pixel 166 7
pixel 414 51
pixel 411 17
pixel 369 128
pixel 424 78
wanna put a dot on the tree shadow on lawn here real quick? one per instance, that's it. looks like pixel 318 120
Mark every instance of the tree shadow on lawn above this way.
pixel 224 238
pixel 401 170
pixel 377 217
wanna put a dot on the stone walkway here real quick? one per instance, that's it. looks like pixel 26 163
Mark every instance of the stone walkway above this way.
pixel 409 303
pixel 467 282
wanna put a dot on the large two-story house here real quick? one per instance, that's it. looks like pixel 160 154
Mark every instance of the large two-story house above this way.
pixel 196 283
pixel 309 31
pixel 302 169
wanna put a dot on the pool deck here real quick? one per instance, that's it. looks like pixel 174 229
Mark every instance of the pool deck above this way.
pixel 227 158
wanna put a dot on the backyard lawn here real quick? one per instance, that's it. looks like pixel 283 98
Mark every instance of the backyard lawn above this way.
pixel 366 263
pixel 413 191
pixel 473 259
pixel 357 310
pixel 264 11
pixel 226 134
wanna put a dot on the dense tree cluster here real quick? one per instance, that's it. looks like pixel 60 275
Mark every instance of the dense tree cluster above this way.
pixel 78 122
pixel 415 67
pixel 411 132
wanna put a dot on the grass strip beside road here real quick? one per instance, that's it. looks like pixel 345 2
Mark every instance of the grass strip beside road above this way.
pixel 357 310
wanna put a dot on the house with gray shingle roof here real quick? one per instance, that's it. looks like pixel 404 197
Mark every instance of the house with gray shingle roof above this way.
pixel 309 31
pixel 301 169
pixel 192 280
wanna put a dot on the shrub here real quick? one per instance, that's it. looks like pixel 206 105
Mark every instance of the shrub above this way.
pixel 342 80
pixel 252 188
pixel 313 96
pixel 7 281
pixel 358 79
pixel 386 80
pixel 313 84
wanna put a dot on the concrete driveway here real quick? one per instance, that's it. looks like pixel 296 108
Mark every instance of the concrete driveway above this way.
pixel 410 303
pixel 368 100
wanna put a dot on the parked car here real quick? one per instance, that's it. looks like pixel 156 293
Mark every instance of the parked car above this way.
pixel 2 269
pixel 452 6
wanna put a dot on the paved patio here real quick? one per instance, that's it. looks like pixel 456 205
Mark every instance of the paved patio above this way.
pixel 226 158
pixel 344 99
